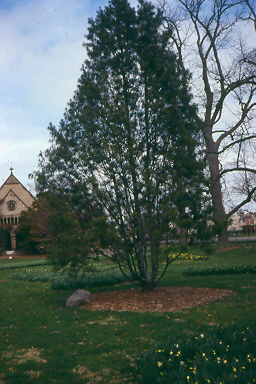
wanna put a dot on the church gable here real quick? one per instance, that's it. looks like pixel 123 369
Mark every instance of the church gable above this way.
pixel 14 198
pixel 12 204
pixel 12 185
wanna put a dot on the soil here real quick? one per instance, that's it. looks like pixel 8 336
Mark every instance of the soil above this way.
pixel 161 299
pixel 17 255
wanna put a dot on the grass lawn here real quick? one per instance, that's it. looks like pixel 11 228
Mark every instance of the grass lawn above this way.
pixel 42 341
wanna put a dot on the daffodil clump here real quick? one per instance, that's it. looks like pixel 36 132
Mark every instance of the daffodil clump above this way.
pixel 226 356
pixel 188 256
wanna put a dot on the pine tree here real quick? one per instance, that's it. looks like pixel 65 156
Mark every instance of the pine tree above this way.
pixel 128 142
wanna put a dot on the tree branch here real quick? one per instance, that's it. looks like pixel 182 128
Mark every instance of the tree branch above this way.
pixel 247 200
pixel 236 142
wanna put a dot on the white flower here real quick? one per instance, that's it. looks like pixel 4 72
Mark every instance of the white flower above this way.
pixel 159 364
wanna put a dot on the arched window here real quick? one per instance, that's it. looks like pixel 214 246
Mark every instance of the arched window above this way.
pixel 5 220
pixel 8 220
pixel 12 220
pixel 16 220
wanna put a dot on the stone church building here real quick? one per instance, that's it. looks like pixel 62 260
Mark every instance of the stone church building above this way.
pixel 14 198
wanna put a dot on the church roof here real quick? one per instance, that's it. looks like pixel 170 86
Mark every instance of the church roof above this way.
pixel 11 180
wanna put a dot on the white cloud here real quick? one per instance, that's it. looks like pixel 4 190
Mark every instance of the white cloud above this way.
pixel 41 52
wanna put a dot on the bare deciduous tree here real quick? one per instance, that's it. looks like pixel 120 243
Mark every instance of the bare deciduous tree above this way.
pixel 211 41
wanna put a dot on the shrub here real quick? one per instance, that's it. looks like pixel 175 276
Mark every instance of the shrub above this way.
pixel 223 356
pixel 93 279
pixel 34 276
pixel 65 281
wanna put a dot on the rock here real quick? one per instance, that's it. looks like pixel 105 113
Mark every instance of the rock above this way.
pixel 79 297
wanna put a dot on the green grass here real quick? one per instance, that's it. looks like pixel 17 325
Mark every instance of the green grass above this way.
pixel 42 341
pixel 220 270
pixel 16 263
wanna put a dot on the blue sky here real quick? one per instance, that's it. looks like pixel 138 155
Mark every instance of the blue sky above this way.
pixel 41 57
pixel 41 45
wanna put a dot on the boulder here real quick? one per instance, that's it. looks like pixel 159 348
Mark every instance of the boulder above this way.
pixel 78 298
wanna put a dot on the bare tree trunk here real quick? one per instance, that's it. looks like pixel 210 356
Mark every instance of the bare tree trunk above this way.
pixel 219 215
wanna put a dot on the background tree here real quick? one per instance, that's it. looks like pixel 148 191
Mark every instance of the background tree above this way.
pixel 25 236
pixel 128 141
pixel 209 38
pixel 5 238
pixel 248 12
pixel 55 227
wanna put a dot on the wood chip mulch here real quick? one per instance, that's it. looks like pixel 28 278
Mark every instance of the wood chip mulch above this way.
pixel 161 299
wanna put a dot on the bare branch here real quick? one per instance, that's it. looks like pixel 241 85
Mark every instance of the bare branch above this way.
pixel 233 143
pixel 244 202
pixel 236 169
pixel 245 110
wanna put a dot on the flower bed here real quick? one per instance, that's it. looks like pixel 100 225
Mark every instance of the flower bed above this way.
pixel 223 356
pixel 189 256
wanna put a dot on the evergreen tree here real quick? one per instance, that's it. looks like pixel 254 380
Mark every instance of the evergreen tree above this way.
pixel 128 142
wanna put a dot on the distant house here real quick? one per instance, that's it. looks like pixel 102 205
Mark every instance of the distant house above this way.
pixel 14 198
pixel 235 224
pixel 248 222
pixel 244 222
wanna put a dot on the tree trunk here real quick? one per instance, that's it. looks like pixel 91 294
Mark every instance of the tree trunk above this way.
pixel 220 217
pixel 223 241
pixel 148 286
pixel 184 236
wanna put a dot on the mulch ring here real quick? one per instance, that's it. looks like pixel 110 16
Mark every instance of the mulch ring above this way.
pixel 161 299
